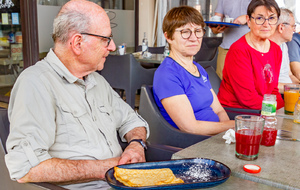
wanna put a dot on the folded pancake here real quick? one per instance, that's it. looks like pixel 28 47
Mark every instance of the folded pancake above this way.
pixel 142 177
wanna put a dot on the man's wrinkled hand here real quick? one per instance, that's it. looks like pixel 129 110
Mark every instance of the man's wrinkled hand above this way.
pixel 133 153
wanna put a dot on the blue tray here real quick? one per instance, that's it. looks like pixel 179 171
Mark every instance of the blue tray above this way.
pixel 195 172
pixel 215 24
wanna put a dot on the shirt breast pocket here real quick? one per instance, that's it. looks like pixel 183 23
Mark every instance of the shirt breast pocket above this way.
pixel 74 126
pixel 107 119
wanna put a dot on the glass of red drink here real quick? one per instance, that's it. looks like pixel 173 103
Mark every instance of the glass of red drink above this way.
pixel 248 134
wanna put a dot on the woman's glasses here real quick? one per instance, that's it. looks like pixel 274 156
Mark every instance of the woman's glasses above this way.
pixel 261 20
pixel 186 33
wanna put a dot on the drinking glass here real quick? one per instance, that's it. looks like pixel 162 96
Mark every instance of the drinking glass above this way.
pixel 291 95
pixel 248 134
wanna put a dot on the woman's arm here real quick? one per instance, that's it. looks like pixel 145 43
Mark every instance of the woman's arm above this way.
pixel 181 112
pixel 217 107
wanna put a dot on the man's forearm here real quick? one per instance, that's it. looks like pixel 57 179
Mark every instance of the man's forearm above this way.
pixel 63 171
pixel 136 133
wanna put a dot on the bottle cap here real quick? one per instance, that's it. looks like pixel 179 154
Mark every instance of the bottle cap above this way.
pixel 251 168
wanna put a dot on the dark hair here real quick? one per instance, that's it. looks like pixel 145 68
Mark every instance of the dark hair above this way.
pixel 180 16
pixel 269 4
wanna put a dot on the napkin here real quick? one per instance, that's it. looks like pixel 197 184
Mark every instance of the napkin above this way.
pixel 229 136
pixel 147 54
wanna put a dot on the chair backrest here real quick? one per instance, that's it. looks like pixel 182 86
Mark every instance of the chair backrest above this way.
pixel 125 72
pixel 212 41
pixel 203 57
pixel 205 54
pixel 161 132
pixel 232 112
pixel 155 50
pixel 214 79
pixel 4 127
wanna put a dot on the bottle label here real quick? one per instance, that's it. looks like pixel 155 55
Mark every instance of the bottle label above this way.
pixel 268 109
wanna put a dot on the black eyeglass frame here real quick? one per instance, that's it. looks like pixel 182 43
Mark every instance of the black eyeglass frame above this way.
pixel 266 19
pixel 293 26
pixel 108 38
pixel 203 31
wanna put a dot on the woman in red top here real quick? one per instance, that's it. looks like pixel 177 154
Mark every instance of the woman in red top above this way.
pixel 253 62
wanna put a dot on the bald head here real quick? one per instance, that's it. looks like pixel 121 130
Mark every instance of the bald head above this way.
pixel 77 16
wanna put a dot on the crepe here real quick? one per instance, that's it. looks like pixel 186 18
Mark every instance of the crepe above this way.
pixel 144 177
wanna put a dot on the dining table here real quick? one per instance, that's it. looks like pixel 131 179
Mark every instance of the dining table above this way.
pixel 153 58
pixel 280 168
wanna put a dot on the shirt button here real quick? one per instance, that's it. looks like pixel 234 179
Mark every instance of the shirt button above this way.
pixel 25 143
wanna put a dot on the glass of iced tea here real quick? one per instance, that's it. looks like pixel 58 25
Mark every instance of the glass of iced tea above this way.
pixel 248 134
pixel 291 95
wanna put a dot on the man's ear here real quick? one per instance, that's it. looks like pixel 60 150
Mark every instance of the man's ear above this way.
pixel 76 43
pixel 280 28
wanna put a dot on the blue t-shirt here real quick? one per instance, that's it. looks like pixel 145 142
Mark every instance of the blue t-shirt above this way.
pixel 171 79
pixel 294 48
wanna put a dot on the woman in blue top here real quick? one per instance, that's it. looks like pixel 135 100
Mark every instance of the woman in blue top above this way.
pixel 181 87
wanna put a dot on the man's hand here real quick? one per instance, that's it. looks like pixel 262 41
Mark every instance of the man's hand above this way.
pixel 133 153
pixel 218 29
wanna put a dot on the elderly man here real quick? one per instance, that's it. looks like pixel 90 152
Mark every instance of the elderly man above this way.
pixel 64 116
pixel 284 33
pixel 294 54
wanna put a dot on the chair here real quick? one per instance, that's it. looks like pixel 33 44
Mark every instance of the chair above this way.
pixel 161 132
pixel 207 57
pixel 5 181
pixel 214 79
pixel 155 50
pixel 124 72
pixel 212 42
pixel 232 112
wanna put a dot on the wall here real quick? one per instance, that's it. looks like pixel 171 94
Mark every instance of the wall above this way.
pixel 146 20
pixel 46 15
pixel 123 32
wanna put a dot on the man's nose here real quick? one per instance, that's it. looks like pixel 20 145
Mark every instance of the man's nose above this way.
pixel 112 46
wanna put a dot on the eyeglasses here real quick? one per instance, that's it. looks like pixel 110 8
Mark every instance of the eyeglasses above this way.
pixel 108 38
pixel 293 26
pixel 261 20
pixel 186 33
